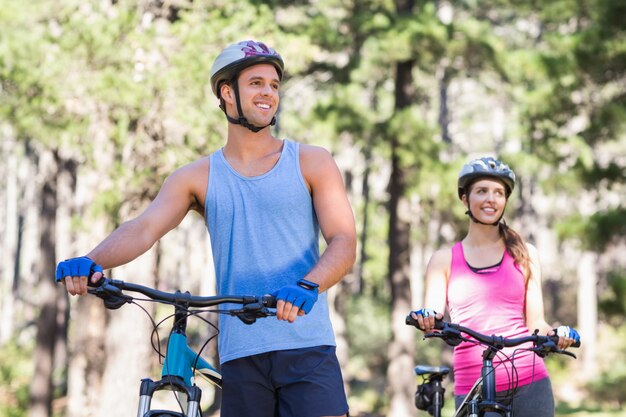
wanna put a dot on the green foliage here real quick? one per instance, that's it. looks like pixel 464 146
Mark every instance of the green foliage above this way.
pixel 597 231
pixel 15 375
pixel 608 389
pixel 32 74
pixel 612 173
pixel 612 301
pixel 369 333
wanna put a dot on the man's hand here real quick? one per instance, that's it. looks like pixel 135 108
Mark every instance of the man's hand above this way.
pixel 75 272
pixel 296 300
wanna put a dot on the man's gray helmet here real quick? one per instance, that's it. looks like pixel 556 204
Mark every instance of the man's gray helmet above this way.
pixel 485 167
pixel 237 57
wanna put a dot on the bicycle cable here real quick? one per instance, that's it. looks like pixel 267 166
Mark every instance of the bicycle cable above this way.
pixel 511 373
pixel 156 346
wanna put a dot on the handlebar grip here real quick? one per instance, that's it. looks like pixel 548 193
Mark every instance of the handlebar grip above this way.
pixel 410 321
pixel 555 339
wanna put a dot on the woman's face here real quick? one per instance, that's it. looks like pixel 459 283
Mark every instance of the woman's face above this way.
pixel 486 199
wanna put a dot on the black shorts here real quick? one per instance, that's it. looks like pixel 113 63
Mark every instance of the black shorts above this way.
pixel 286 383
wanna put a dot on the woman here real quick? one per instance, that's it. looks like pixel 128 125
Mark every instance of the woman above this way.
pixel 491 282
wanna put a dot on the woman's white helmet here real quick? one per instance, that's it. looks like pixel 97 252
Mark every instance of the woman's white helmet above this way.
pixel 238 56
pixel 485 167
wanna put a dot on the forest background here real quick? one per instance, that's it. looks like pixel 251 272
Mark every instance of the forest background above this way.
pixel 101 100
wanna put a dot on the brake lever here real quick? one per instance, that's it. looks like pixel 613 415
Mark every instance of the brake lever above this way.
pixel 452 337
pixel 259 309
pixel 548 348
pixel 250 312
pixel 112 296
pixel 566 352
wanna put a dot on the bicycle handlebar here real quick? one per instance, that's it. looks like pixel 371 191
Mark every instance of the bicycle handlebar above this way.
pixel 451 333
pixel 111 291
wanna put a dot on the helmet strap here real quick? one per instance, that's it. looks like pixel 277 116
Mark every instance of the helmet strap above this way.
pixel 475 220
pixel 241 120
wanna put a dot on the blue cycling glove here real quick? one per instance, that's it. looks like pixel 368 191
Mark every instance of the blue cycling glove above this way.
pixel 302 294
pixel 76 267
pixel 567 332
pixel 425 312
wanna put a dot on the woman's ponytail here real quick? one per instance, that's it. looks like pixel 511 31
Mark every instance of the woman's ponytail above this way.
pixel 516 246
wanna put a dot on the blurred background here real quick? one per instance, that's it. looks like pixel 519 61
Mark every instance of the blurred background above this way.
pixel 101 99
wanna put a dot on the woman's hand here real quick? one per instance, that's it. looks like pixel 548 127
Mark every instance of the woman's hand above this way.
pixel 426 318
pixel 567 336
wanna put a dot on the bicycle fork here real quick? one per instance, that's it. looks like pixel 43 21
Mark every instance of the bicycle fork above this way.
pixel 149 387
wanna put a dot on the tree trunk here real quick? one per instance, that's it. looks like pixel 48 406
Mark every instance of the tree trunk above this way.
pixel 444 114
pixel 128 355
pixel 337 300
pixel 88 359
pixel 367 154
pixel 9 230
pixel 402 345
pixel 587 313
pixel 41 387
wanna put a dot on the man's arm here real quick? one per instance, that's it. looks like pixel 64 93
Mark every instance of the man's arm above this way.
pixel 334 215
pixel 178 194
pixel 336 221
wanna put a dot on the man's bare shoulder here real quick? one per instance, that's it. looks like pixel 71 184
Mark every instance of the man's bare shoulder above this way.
pixel 313 153
pixel 318 166
pixel 316 159
pixel 192 170
pixel 191 179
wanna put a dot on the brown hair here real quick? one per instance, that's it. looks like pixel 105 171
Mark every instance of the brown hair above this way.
pixel 516 246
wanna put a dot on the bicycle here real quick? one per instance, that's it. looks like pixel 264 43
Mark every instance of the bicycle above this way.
pixel 482 396
pixel 180 362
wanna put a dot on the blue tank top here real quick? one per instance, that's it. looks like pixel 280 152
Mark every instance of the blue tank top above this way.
pixel 264 235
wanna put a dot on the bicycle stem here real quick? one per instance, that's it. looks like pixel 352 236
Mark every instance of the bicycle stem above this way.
pixel 488 375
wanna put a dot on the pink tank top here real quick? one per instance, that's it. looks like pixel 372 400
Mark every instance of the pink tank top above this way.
pixel 490 303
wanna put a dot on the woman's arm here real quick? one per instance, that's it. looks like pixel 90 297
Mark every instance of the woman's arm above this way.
pixel 437 274
pixel 534 310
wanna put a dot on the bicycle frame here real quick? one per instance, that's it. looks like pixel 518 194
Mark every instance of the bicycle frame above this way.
pixel 177 373
pixel 475 404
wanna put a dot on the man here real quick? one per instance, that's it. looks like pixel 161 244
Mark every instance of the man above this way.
pixel 264 201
